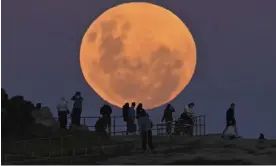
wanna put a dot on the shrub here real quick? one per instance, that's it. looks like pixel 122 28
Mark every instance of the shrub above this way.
pixel 16 114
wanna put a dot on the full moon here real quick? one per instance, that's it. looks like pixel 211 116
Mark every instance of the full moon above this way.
pixel 138 52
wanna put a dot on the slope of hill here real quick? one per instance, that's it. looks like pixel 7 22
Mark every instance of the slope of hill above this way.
pixel 203 150
pixel 179 150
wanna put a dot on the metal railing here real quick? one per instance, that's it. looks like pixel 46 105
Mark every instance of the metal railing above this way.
pixel 199 126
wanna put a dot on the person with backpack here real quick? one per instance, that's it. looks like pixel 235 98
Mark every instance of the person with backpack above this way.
pixel 167 116
pixel 106 112
pixel 230 120
pixel 145 126
pixel 77 108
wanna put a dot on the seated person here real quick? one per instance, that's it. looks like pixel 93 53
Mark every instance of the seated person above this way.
pixel 100 126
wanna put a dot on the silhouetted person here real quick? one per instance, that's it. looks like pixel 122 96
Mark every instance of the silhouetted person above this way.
pixel 100 126
pixel 138 110
pixel 77 108
pixel 168 117
pixel 106 112
pixel 62 112
pixel 261 138
pixel 145 125
pixel 131 118
pixel 38 106
pixel 187 119
pixel 230 120
pixel 125 109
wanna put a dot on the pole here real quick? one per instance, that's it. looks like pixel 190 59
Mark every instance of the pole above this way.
pixel 114 121
pixel 204 127
pixel 200 125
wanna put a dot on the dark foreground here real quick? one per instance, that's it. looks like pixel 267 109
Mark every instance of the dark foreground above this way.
pixel 179 151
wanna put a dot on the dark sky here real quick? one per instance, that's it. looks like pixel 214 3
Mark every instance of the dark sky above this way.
pixel 235 44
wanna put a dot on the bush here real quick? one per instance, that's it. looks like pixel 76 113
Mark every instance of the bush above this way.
pixel 4 98
pixel 16 114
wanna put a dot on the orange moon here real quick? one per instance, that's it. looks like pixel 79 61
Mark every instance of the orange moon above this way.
pixel 138 52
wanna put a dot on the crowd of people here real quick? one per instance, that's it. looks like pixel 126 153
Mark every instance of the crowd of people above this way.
pixel 184 124
pixel 130 113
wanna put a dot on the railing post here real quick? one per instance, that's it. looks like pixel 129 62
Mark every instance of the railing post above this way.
pixel 200 125
pixel 157 129
pixel 195 126
pixel 204 127
pixel 114 121
pixel 84 121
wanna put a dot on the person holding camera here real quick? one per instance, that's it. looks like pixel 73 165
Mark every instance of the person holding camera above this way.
pixel 77 108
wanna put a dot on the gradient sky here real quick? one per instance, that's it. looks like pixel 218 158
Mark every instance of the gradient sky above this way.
pixel 236 57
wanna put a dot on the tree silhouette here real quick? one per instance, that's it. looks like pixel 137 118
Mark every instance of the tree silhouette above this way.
pixel 16 114
pixel 4 98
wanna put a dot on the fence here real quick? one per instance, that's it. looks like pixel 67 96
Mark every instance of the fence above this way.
pixel 199 126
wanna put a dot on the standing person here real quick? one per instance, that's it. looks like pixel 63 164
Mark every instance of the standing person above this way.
pixel 62 112
pixel 106 112
pixel 230 120
pixel 167 116
pixel 131 117
pixel 125 109
pixel 77 108
pixel 139 108
pixel 145 125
